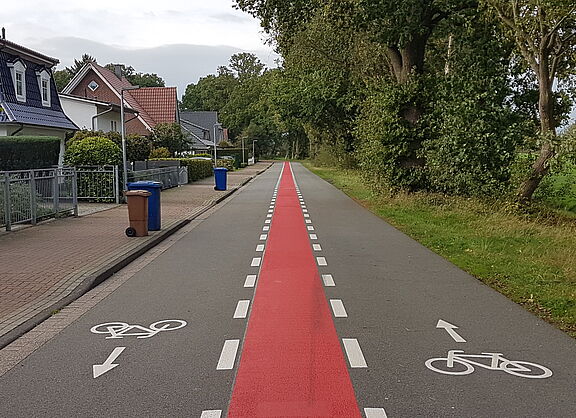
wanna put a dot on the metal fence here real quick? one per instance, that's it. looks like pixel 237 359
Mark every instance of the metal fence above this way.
pixel 168 176
pixel 27 196
pixel 98 183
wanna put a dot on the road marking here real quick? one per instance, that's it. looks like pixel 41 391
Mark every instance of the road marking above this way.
pixel 328 280
pixel 305 210
pixel 255 262
pixel 260 247
pixel 212 413
pixel 269 215
pixel 308 221
pixel 118 330
pixel 267 221
pixel 354 353
pixel 266 228
pixel 270 210
pixel 241 309
pixel 375 413
pixel 321 261
pixel 450 330
pixel 316 247
pixel 100 369
pixel 313 236
pixel 306 215
pixel 338 308
pixel 250 280
pixel 310 228
pixel 263 237
pixel 228 355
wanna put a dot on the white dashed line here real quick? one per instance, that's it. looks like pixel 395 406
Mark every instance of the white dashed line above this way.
pixel 305 210
pixel 313 236
pixel 269 215
pixel 338 308
pixel 310 228
pixel 250 280
pixel 260 247
pixel 263 237
pixel 306 215
pixel 375 413
pixel 321 261
pixel 328 280
pixel 267 221
pixel 265 228
pixel 316 247
pixel 255 262
pixel 242 309
pixel 270 210
pixel 354 353
pixel 212 413
pixel 228 355
pixel 308 221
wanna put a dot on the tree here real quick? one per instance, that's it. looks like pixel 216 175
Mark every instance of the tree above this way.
pixel 246 66
pixel 168 135
pixel 545 35
pixel 211 92
pixel 61 78
pixel 137 78
pixel 78 64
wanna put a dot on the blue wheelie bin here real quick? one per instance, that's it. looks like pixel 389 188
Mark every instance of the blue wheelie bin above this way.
pixel 154 215
pixel 220 178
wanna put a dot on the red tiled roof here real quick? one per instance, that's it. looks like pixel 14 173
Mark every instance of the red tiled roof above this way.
pixel 160 103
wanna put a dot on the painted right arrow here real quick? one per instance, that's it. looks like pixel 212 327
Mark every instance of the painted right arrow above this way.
pixel 450 330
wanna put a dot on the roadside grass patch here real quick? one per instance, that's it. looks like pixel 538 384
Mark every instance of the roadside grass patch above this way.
pixel 529 259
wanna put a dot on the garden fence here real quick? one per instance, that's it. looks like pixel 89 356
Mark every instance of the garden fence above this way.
pixel 27 196
pixel 168 176
pixel 98 183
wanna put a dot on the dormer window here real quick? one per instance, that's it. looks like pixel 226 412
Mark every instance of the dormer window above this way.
pixel 44 85
pixel 18 72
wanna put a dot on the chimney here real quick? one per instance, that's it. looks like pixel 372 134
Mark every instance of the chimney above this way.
pixel 118 71
pixel 3 33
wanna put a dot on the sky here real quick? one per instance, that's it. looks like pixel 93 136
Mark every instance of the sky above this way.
pixel 179 40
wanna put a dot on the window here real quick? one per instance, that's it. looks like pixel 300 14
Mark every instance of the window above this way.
pixel 18 72
pixel 113 126
pixel 44 85
pixel 93 85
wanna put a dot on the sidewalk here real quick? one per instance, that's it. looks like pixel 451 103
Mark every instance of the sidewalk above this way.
pixel 45 267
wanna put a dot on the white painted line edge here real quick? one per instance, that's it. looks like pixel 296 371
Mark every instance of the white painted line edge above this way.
pixel 316 247
pixel 265 228
pixel 267 221
pixel 375 413
pixel 260 247
pixel 313 236
pixel 250 280
pixel 255 262
pixel 310 228
pixel 308 221
pixel 354 353
pixel 328 280
pixel 321 261
pixel 212 413
pixel 228 355
pixel 241 309
pixel 338 308
pixel 263 237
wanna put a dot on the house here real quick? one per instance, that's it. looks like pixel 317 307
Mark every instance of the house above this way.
pixel 93 114
pixel 29 102
pixel 149 105
pixel 200 127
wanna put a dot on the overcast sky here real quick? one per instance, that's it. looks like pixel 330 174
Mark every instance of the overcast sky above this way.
pixel 167 37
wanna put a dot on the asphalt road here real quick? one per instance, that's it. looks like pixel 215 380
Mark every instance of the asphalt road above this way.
pixel 392 293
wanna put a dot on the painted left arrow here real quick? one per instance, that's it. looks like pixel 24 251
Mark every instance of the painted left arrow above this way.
pixel 100 369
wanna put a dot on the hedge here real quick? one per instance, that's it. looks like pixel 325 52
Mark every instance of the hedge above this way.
pixel 28 152
pixel 197 169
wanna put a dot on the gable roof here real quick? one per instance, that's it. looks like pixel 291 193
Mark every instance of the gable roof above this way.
pixel 153 104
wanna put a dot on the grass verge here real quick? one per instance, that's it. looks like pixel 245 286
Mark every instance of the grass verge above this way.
pixel 531 261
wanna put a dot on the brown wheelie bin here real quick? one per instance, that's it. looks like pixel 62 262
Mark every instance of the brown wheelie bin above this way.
pixel 137 212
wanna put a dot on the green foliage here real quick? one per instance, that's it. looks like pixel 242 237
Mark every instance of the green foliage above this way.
pixel 168 135
pixel 229 164
pixel 20 204
pixel 161 152
pixel 61 78
pixel 197 169
pixel 138 147
pixel 28 152
pixel 139 79
pixel 93 151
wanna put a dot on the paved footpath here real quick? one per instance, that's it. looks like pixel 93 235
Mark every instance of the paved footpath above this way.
pixel 46 266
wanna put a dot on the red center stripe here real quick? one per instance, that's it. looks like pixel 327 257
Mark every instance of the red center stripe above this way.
pixel 292 362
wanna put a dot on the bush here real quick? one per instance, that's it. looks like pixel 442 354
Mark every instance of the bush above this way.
pixel 197 169
pixel 138 147
pixel 229 164
pixel 161 152
pixel 28 152
pixel 93 151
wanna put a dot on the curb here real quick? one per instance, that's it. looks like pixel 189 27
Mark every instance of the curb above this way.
pixel 114 266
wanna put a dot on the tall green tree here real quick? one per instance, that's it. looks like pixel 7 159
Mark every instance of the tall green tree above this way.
pixel 545 35
pixel 138 78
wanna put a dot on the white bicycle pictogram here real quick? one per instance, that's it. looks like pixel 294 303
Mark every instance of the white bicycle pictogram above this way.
pixel 122 329
pixel 458 364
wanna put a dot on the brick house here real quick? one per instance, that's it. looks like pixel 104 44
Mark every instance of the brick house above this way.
pixel 149 105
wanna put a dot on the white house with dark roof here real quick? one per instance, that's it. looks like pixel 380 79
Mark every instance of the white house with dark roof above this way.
pixel 29 102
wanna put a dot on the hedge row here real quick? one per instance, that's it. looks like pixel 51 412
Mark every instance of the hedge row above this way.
pixel 28 152
pixel 197 169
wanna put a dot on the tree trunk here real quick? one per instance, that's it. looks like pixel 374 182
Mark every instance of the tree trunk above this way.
pixel 547 129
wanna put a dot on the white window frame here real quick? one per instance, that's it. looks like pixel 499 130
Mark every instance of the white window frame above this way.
pixel 95 88
pixel 18 67
pixel 44 76
pixel 113 126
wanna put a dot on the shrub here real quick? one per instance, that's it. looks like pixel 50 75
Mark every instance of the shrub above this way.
pixel 229 164
pixel 161 152
pixel 93 151
pixel 138 147
pixel 27 152
pixel 197 169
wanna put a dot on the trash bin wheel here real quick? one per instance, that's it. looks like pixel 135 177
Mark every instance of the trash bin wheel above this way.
pixel 131 232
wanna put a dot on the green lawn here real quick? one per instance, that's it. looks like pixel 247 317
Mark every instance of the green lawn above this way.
pixel 531 261
pixel 560 190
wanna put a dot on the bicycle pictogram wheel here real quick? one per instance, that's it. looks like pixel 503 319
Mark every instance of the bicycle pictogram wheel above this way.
pixel 168 325
pixel 109 327
pixel 444 369
pixel 525 369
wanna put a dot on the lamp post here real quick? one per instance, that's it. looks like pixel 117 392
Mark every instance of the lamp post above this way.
pixel 216 125
pixel 253 152
pixel 123 129
pixel 243 156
